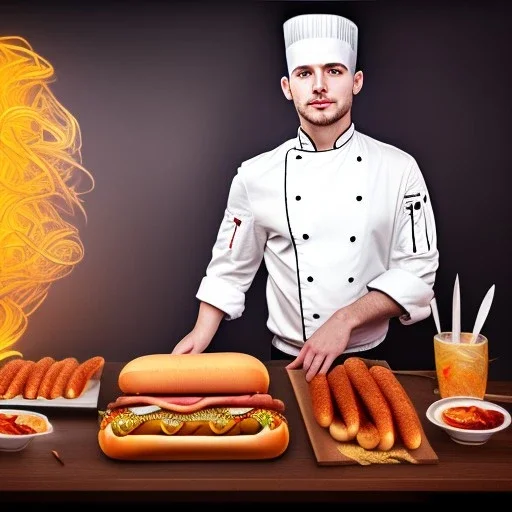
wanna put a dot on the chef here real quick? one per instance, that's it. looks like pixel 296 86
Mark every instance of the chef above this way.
pixel 343 222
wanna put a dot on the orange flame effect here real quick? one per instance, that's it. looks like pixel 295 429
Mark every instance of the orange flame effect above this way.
pixel 40 175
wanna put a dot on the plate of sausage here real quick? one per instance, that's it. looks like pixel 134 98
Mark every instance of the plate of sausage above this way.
pixel 50 382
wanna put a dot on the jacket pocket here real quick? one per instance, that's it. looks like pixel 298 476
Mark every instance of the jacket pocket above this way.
pixel 416 227
pixel 239 238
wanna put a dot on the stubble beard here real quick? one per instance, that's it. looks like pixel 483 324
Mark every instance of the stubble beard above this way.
pixel 320 118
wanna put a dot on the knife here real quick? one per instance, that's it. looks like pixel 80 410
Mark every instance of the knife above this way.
pixel 482 313
pixel 456 311
pixel 435 314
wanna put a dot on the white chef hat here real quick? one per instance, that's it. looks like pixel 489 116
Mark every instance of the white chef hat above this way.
pixel 320 39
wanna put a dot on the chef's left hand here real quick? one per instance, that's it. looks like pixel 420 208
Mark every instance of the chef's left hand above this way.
pixel 324 346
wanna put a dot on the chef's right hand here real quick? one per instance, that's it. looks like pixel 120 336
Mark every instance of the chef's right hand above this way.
pixel 208 320
pixel 192 343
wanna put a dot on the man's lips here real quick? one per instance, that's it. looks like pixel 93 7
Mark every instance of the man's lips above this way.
pixel 320 103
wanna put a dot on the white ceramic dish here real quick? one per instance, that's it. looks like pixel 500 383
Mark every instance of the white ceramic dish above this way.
pixel 17 442
pixel 461 435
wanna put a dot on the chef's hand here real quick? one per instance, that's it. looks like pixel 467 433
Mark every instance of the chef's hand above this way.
pixel 192 343
pixel 207 323
pixel 324 346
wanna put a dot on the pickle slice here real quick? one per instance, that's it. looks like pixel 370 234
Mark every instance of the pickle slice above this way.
pixel 170 430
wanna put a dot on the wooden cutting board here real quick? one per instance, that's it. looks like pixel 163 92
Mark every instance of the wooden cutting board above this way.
pixel 327 450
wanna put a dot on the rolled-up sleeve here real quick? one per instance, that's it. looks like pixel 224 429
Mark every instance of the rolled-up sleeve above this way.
pixel 414 257
pixel 236 255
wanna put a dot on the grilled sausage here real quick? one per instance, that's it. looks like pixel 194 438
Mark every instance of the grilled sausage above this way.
pixel 81 375
pixel 17 384
pixel 406 417
pixel 8 372
pixel 321 401
pixel 373 399
pixel 345 399
pixel 59 385
pixel 37 373
pixel 49 378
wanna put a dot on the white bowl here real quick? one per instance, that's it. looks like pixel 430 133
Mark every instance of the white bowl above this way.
pixel 461 435
pixel 17 442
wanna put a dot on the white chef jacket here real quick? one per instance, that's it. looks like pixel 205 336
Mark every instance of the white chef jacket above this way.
pixel 330 226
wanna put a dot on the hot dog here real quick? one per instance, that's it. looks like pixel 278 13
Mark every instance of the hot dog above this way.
pixel 321 400
pixel 161 417
pixel 407 420
pixel 373 399
pixel 345 399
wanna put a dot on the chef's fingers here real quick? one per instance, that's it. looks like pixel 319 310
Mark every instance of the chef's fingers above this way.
pixel 297 362
pixel 327 364
pixel 315 365
pixel 308 358
pixel 185 346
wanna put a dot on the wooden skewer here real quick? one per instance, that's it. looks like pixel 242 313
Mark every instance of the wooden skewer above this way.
pixel 57 456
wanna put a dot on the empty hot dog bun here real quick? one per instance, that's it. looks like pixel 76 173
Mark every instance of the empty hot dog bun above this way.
pixel 216 372
pixel 208 406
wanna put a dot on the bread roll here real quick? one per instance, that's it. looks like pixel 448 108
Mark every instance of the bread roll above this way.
pixel 195 374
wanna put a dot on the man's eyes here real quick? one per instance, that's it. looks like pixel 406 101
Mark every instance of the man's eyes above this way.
pixel 331 71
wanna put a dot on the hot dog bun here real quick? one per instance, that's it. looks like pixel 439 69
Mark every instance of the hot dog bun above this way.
pixel 191 374
pixel 338 430
pixel 265 444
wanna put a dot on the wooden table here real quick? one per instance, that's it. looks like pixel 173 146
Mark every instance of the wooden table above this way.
pixel 89 476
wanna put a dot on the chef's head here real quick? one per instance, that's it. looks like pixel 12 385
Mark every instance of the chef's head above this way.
pixel 320 39
pixel 321 51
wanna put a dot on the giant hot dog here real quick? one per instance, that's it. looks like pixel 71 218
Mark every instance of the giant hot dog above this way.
pixel 209 406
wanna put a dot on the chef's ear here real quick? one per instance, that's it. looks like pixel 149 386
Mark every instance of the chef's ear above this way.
pixel 358 82
pixel 285 86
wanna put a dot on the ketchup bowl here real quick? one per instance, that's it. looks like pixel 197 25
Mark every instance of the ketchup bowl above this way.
pixel 468 420
pixel 19 427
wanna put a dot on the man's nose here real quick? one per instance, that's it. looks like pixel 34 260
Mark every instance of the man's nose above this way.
pixel 319 85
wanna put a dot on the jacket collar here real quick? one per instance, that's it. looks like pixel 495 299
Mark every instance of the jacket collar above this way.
pixel 305 143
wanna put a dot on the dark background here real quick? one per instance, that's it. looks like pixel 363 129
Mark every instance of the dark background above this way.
pixel 172 96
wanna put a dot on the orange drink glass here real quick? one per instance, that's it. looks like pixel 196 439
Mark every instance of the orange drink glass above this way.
pixel 461 367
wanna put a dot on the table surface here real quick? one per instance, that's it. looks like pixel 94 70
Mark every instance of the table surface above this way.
pixel 88 475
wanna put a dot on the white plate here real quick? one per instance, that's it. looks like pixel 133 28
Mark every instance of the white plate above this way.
pixel 460 435
pixel 88 399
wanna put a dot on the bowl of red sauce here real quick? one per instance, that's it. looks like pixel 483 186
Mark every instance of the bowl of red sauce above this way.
pixel 468 420
pixel 19 427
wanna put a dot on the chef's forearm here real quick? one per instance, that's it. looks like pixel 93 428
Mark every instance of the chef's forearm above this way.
pixel 373 306
pixel 208 321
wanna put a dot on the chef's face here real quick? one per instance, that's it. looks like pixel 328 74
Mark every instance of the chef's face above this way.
pixel 322 94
